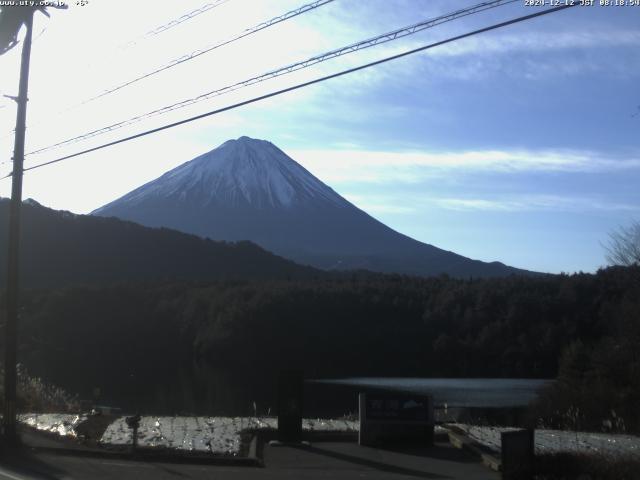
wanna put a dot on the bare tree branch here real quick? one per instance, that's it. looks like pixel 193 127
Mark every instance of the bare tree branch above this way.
pixel 623 247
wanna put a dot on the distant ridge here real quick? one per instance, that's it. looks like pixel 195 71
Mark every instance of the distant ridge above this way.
pixel 60 248
pixel 249 189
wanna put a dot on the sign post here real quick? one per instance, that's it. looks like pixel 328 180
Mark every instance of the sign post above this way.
pixel 395 418
pixel 517 454
pixel 290 384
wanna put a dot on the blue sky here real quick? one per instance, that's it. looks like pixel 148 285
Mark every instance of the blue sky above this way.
pixel 518 145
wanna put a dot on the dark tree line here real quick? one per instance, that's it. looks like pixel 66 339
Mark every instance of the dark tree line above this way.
pixel 60 248
pixel 130 338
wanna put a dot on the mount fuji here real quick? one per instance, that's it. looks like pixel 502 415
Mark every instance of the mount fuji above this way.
pixel 249 189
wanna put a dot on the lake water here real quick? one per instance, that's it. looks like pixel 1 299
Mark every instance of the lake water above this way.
pixel 454 392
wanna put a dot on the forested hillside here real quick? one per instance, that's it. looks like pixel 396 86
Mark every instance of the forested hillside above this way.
pixel 61 248
pixel 361 325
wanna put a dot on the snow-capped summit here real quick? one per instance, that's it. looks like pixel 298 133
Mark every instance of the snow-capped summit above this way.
pixel 242 172
pixel 249 189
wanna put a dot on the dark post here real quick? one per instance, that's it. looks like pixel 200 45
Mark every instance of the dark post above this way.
pixel 387 418
pixel 517 454
pixel 290 406
pixel 11 323
pixel 134 423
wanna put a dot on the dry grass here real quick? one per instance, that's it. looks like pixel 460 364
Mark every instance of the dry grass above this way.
pixel 36 395
pixel 583 466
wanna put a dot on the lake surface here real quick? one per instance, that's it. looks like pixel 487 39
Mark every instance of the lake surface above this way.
pixel 454 392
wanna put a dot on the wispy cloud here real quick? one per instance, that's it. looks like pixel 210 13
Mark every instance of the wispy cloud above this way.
pixel 529 42
pixel 412 167
pixel 380 204
pixel 411 203
pixel 533 203
pixel 477 204
pixel 529 55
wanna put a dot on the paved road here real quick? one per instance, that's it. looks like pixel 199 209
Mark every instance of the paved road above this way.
pixel 323 460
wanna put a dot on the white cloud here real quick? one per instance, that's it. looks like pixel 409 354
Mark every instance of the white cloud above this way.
pixel 477 204
pixel 533 203
pixel 409 203
pixel 412 167
pixel 548 42
pixel 376 204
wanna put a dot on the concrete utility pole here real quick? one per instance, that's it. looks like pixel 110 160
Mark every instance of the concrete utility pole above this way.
pixel 11 323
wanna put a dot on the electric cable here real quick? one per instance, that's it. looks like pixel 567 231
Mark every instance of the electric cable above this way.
pixel 354 47
pixel 304 84
pixel 196 53
pixel 174 23
pixel 210 48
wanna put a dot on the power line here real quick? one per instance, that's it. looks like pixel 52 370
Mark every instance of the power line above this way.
pixel 210 48
pixel 150 33
pixel 184 18
pixel 380 39
pixel 176 22
pixel 196 53
pixel 304 84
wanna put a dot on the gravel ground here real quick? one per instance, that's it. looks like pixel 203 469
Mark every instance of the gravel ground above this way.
pixel 554 441
pixel 219 435
pixel 64 424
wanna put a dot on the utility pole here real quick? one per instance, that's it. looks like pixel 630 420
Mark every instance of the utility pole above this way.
pixel 11 323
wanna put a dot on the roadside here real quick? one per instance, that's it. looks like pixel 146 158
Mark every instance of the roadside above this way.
pixel 319 460
pixel 178 444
